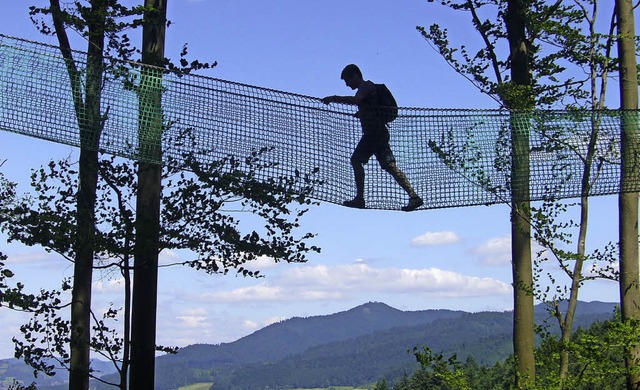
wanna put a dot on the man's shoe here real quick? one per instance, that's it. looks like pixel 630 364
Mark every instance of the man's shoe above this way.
pixel 356 203
pixel 414 203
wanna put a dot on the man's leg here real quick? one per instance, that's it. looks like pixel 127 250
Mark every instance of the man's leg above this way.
pixel 414 200
pixel 358 159
pixel 400 178
pixel 388 163
pixel 358 173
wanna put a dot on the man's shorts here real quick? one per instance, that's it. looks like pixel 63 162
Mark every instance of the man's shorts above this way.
pixel 370 145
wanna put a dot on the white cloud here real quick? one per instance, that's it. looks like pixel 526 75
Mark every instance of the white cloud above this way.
pixel 193 321
pixel 496 251
pixel 109 285
pixel 260 264
pixel 261 292
pixel 599 268
pixel 250 325
pixel 39 257
pixel 10 328
pixel 28 257
pixel 321 282
pixel 273 320
pixel 436 238
pixel 168 256
pixel 200 325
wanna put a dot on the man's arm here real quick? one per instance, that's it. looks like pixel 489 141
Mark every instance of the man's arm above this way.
pixel 341 99
pixel 364 90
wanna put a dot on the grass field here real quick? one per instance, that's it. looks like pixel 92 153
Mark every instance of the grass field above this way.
pixel 197 386
pixel 335 388
pixel 205 386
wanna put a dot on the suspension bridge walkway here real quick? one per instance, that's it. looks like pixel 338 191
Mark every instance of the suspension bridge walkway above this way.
pixel 453 157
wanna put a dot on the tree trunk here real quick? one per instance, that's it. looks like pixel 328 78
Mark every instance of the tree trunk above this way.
pixel 82 274
pixel 523 321
pixel 567 324
pixel 146 250
pixel 90 129
pixel 628 201
pixel 597 103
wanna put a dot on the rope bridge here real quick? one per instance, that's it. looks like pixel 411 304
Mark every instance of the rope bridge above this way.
pixel 453 158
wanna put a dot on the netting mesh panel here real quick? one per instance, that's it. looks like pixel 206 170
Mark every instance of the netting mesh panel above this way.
pixel 452 157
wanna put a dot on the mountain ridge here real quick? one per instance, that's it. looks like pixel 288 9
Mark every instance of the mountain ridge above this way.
pixel 351 347
pixel 284 360
pixel 363 319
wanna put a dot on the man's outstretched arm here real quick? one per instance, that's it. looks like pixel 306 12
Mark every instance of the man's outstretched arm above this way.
pixel 341 99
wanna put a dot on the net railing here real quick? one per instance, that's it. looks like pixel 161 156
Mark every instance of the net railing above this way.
pixel 452 157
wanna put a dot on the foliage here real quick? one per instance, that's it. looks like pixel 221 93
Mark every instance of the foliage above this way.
pixel 571 62
pixel 104 25
pixel 597 363
pixel 356 348
pixel 382 385
pixel 555 232
pixel 117 21
pixel 51 222
pixel 11 297
pixel 17 386
pixel 557 38
pixel 197 207
pixel 440 372
pixel 590 52
pixel 197 214
pixel 461 150
pixel 566 58
pixel 597 355
pixel 46 335
pixel 351 348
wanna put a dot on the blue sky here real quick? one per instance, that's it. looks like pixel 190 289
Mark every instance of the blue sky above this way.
pixel 449 258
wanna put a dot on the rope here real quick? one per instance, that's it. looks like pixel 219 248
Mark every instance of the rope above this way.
pixel 453 158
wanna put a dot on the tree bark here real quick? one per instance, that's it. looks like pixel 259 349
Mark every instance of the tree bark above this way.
pixel 146 250
pixel 523 320
pixel 90 128
pixel 627 200
pixel 523 314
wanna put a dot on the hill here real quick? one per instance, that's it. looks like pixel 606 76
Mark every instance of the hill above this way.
pixel 357 346
pixel 348 348
pixel 14 369
pixel 486 336
pixel 289 337
pixel 382 354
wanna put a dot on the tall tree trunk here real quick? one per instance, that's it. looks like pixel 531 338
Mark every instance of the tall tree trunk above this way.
pixel 523 321
pixel 523 318
pixel 90 129
pixel 146 250
pixel 628 201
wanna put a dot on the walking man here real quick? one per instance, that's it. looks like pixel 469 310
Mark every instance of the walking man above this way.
pixel 375 136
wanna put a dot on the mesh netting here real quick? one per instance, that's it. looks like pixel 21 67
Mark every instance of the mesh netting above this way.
pixel 452 157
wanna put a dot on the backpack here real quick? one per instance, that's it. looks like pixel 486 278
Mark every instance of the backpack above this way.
pixel 387 103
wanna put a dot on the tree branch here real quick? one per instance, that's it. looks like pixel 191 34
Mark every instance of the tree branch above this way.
pixel 65 48
pixel 490 48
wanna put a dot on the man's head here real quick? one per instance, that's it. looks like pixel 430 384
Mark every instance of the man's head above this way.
pixel 352 76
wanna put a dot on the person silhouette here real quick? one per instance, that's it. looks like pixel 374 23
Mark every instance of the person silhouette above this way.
pixel 375 137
